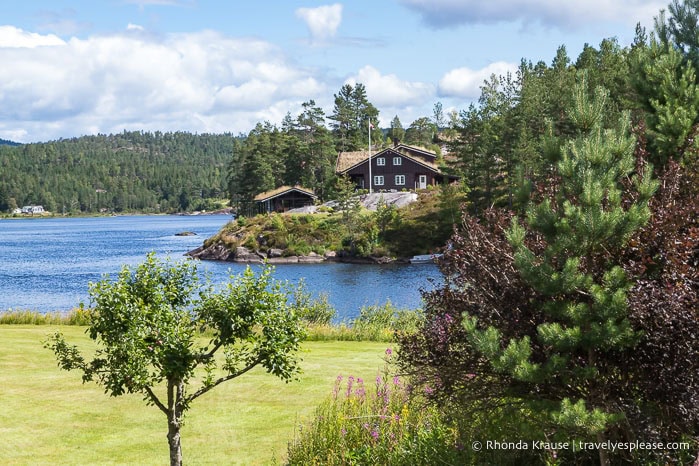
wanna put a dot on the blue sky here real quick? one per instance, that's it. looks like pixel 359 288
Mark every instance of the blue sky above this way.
pixel 72 67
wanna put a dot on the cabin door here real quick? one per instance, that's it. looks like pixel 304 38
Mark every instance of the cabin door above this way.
pixel 422 182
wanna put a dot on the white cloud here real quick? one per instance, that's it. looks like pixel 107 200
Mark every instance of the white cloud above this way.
pixel 322 21
pixel 199 82
pixel 391 91
pixel 466 83
pixel 12 37
pixel 558 13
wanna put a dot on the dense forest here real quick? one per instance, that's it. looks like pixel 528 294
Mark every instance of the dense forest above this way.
pixel 126 172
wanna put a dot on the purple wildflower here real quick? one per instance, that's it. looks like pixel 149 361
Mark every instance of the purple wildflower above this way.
pixel 350 381
pixel 336 388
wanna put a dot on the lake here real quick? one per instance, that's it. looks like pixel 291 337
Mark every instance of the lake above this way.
pixel 47 263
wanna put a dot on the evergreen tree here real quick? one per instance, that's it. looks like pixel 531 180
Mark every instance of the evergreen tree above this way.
pixel 396 133
pixel 585 311
pixel 317 162
pixel 684 28
pixel 421 132
pixel 668 92
pixel 352 115
pixel 538 315
pixel 257 173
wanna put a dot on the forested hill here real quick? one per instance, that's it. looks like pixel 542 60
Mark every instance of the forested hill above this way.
pixel 130 171
pixel 5 142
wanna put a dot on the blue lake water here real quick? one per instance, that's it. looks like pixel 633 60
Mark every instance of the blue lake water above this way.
pixel 47 263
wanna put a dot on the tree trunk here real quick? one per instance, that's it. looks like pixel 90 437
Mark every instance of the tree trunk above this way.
pixel 173 438
pixel 174 407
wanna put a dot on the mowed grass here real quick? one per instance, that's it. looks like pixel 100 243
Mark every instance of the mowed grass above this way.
pixel 48 416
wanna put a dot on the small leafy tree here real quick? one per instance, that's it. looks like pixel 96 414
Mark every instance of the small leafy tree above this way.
pixel 150 324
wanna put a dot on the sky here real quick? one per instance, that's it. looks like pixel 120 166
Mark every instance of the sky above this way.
pixel 78 67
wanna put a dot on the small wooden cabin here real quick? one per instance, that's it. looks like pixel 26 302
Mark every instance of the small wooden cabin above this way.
pixel 284 198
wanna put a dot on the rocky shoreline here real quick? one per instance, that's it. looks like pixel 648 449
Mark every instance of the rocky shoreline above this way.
pixel 219 252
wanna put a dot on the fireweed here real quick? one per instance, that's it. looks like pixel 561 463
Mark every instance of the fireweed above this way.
pixel 374 422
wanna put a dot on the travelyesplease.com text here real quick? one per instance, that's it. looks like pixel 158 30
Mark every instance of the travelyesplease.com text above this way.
pixel 577 445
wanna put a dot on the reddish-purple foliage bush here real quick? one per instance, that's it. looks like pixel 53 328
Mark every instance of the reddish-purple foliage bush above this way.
pixel 655 384
pixel 664 305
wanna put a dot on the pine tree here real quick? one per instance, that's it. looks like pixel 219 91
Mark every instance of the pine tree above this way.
pixel 684 28
pixel 351 117
pixel 583 294
pixel 668 92
pixel 534 315
pixel 396 133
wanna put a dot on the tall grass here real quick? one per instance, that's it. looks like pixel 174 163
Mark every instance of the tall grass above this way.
pixel 77 316
pixel 374 422
pixel 374 323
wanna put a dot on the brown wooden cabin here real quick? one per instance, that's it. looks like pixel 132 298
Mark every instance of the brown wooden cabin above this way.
pixel 397 168
pixel 284 198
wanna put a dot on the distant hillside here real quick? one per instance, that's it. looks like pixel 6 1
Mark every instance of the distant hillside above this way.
pixel 5 142
pixel 126 172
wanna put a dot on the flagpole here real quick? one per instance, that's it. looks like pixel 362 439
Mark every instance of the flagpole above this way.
pixel 370 156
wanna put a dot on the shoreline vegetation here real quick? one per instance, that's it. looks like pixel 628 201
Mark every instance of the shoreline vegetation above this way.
pixel 376 323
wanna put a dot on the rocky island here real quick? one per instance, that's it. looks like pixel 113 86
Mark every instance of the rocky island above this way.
pixel 383 228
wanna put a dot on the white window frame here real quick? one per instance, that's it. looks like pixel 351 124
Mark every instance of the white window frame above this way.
pixel 400 180
pixel 378 180
pixel 397 160
pixel 380 161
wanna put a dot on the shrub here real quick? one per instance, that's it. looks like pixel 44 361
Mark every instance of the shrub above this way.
pixel 296 246
pixel 373 320
pixel 277 222
pixel 316 311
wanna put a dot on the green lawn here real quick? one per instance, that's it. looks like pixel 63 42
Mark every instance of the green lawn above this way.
pixel 47 416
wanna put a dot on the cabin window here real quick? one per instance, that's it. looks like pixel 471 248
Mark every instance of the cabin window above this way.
pixel 400 180
pixel 380 161
pixel 397 161
pixel 378 180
